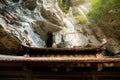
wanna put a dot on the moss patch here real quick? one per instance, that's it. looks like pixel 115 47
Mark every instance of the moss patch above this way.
pixel 63 6
pixel 80 20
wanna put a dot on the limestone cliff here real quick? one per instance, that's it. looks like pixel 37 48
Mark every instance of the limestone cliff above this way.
pixel 28 22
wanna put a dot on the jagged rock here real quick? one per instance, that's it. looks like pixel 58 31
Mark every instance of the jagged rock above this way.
pixel 27 22
pixel 30 4
pixel 9 44
pixel 51 16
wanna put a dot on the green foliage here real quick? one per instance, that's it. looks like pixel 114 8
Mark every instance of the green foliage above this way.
pixel 63 6
pixel 101 7
pixel 60 1
pixel 81 20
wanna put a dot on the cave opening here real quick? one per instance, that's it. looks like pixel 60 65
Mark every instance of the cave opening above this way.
pixel 49 41
pixel 15 1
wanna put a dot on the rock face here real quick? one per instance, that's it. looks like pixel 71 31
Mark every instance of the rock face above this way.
pixel 30 4
pixel 8 43
pixel 27 22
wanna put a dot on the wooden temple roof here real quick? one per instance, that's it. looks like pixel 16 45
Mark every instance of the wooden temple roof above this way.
pixel 56 56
